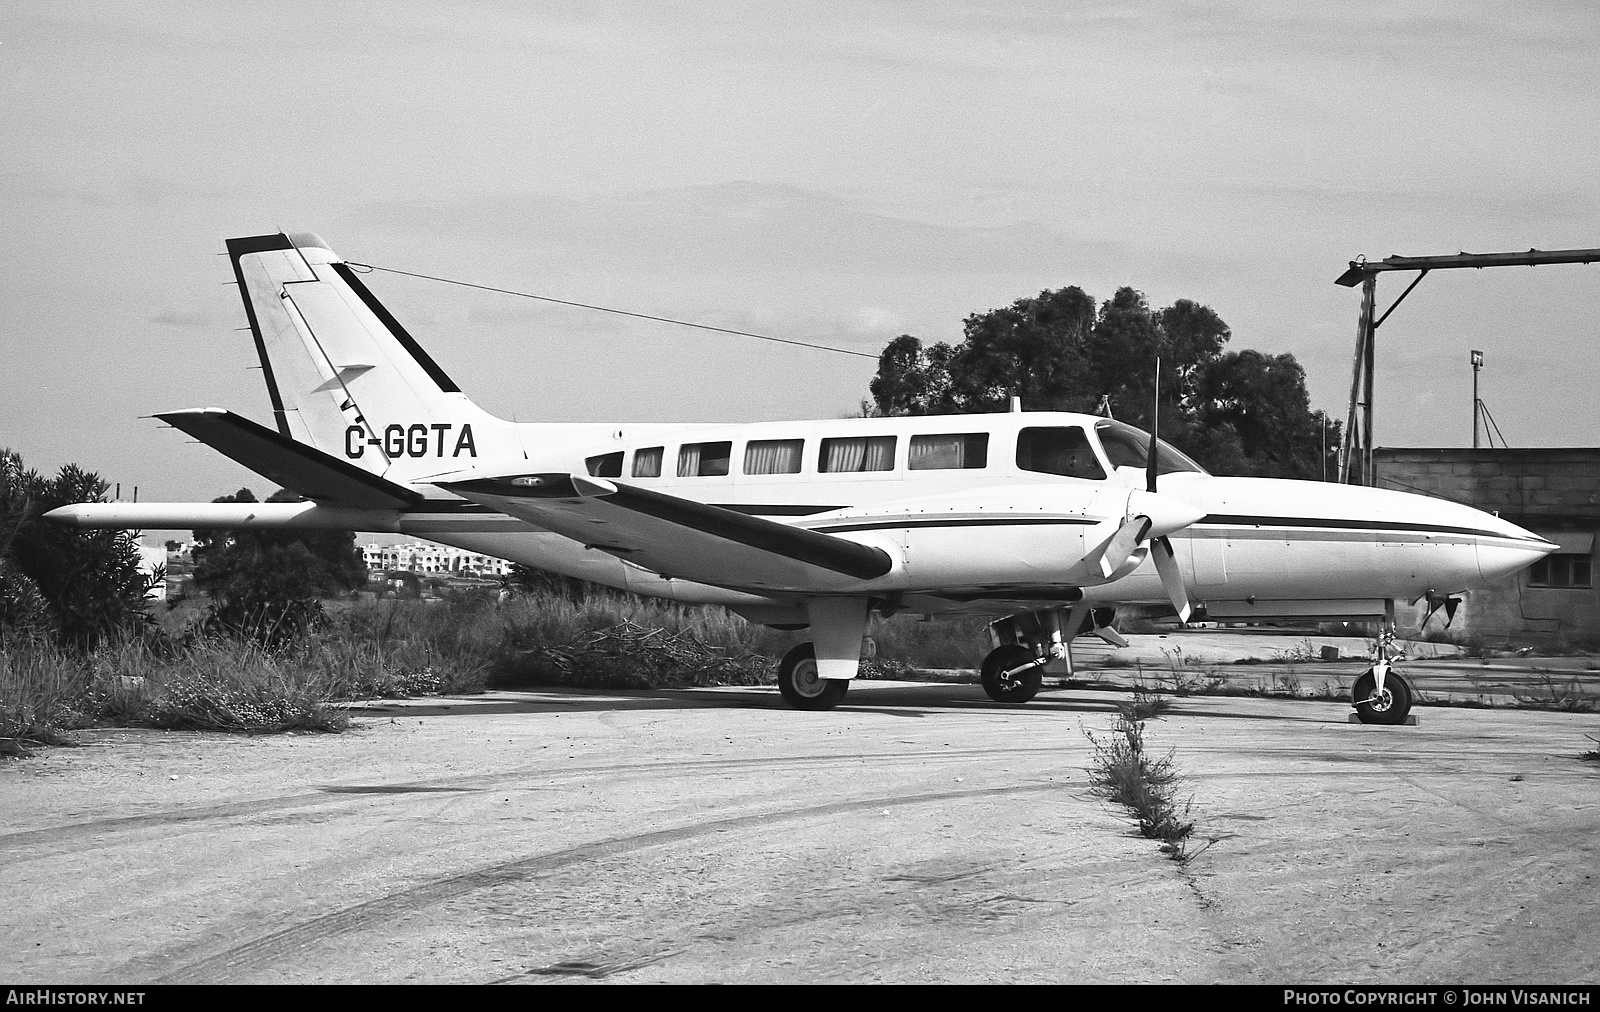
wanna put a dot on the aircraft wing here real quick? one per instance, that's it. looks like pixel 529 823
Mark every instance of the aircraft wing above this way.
pixel 681 538
pixel 293 465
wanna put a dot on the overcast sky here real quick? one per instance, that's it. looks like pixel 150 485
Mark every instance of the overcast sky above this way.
pixel 840 173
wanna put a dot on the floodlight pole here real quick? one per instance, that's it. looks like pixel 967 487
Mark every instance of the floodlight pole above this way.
pixel 1477 363
pixel 1356 465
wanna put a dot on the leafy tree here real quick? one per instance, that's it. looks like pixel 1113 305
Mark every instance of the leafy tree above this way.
pixel 1235 412
pixel 268 584
pixel 88 582
pixel 24 613
pixel 1262 400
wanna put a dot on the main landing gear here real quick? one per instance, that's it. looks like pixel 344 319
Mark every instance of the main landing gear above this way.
pixel 1024 643
pixel 1012 674
pixel 802 687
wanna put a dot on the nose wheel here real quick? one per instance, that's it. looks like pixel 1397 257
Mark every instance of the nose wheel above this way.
pixel 1388 705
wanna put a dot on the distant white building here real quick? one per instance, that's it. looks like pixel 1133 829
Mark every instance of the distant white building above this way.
pixel 149 559
pixel 429 559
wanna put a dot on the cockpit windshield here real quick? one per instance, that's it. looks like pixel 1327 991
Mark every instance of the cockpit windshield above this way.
pixel 1127 446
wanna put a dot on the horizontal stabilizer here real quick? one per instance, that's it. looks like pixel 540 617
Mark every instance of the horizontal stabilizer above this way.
pixel 293 465
pixel 180 516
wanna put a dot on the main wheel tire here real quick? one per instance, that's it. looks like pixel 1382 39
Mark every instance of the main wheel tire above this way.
pixel 1392 707
pixel 1018 688
pixel 800 685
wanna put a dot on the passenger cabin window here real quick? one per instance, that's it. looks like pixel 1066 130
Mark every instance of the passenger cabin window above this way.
pixel 773 456
pixel 1063 450
pixel 1127 446
pixel 960 450
pixel 857 453
pixel 607 465
pixel 647 462
pixel 704 460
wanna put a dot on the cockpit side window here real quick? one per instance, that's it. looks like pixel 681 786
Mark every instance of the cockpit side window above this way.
pixel 1062 450
pixel 1127 446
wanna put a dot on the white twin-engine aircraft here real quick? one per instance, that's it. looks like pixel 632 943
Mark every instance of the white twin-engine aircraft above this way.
pixel 1044 520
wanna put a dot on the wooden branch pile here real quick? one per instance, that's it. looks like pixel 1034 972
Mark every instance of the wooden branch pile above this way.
pixel 631 656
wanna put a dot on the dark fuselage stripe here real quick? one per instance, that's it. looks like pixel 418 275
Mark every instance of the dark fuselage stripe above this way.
pixel 1369 526
pixel 464 506
pixel 906 523
pixel 776 510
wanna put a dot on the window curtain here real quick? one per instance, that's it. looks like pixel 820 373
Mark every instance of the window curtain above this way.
pixel 865 453
pixel 647 463
pixel 703 459
pixel 772 456
pixel 689 460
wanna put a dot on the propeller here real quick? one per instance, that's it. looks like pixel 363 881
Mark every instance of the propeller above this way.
pixel 1150 513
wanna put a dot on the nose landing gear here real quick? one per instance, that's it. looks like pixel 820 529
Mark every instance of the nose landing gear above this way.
pixel 1388 703
pixel 1381 695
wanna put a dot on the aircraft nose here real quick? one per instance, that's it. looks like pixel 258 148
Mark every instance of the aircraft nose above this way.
pixel 1504 548
pixel 1167 512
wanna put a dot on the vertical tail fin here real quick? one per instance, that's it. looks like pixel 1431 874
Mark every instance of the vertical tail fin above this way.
pixel 343 374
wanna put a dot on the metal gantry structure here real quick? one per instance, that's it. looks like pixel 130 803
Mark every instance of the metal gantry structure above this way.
pixel 1355 465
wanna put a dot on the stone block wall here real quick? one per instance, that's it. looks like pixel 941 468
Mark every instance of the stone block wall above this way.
pixel 1547 491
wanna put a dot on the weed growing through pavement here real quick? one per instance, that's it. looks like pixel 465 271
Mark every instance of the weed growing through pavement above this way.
pixel 1302 653
pixel 1144 705
pixel 1184 678
pixel 1124 772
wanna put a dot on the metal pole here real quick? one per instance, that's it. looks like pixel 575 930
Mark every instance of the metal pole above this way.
pixel 1369 292
pixel 1351 458
pixel 1477 363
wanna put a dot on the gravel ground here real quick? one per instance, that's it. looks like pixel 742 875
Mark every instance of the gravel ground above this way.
pixel 918 833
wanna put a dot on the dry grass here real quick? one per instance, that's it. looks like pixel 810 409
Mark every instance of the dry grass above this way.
pixel 1568 696
pixel 212 685
pixel 371 649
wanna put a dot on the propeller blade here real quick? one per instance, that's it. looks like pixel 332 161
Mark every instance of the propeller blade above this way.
pixel 1122 544
pixel 1155 426
pixel 1171 578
